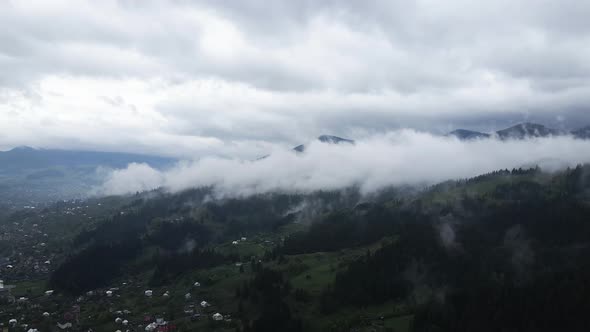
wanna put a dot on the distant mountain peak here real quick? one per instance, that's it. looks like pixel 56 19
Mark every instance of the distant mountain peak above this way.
pixel 527 129
pixel 299 148
pixel 583 133
pixel 522 131
pixel 465 134
pixel 334 139
pixel 330 139
pixel 23 148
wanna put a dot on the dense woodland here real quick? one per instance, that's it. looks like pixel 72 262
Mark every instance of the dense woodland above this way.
pixel 505 251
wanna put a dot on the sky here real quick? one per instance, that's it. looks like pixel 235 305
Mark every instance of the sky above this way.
pixel 190 79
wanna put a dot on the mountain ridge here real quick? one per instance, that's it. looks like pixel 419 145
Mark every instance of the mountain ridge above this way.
pixel 329 139
pixel 527 129
pixel 521 131
pixel 583 133
pixel 466 134
pixel 26 157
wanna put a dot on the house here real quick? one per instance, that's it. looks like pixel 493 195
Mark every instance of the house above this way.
pixel 148 293
pixel 217 317
pixel 67 325
pixel 5 291
pixel 197 284
pixel 151 327
pixel 205 304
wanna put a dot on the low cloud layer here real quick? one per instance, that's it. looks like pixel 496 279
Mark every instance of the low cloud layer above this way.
pixel 404 157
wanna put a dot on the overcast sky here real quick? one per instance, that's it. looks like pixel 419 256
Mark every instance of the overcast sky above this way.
pixel 190 78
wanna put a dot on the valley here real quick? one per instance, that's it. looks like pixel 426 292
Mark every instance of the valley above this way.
pixel 325 261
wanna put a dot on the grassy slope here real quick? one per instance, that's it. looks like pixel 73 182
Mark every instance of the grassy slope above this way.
pixel 311 272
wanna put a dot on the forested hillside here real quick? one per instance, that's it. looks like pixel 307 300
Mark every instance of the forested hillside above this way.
pixel 505 251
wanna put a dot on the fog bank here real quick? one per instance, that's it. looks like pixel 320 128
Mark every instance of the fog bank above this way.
pixel 404 157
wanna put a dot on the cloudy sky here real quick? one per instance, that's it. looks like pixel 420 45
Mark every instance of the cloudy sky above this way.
pixel 191 78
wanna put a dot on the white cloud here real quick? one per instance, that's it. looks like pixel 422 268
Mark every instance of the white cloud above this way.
pixel 202 77
pixel 144 178
pixel 403 157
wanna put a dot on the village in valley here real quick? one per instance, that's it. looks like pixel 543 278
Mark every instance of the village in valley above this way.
pixel 34 240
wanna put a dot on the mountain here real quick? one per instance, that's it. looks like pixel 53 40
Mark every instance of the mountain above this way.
pixel 527 129
pixel 583 133
pixel 27 158
pixel 334 139
pixel 326 139
pixel 521 131
pixel 464 134
pixel 31 176
pixel 299 148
